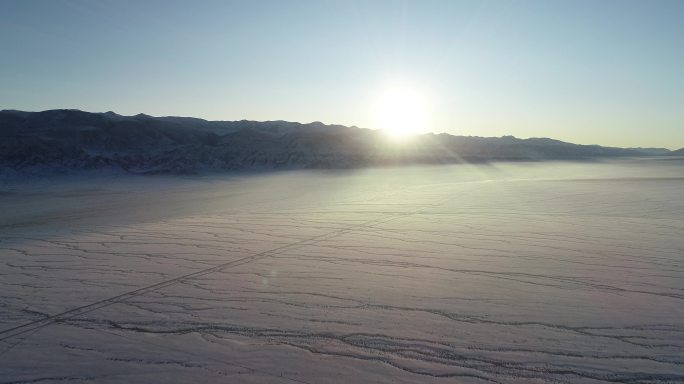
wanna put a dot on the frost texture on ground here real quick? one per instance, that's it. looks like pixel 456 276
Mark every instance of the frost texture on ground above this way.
pixel 551 272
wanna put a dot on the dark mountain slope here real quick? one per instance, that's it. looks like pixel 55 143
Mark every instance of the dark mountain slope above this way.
pixel 64 140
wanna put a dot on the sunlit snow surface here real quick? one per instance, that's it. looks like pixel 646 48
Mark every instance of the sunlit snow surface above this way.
pixel 507 273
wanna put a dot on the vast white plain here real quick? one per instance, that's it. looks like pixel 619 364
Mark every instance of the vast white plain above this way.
pixel 505 273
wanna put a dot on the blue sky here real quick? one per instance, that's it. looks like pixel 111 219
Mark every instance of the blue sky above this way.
pixel 608 72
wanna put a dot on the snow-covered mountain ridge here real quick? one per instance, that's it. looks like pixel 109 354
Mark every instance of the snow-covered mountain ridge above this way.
pixel 65 140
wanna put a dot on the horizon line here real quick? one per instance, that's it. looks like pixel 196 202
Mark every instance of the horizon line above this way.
pixel 671 148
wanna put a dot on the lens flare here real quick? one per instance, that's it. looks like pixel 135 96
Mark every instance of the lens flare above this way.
pixel 401 112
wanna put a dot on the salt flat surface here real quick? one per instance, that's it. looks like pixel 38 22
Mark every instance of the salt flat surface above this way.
pixel 507 273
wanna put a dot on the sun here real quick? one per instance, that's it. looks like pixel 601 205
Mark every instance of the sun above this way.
pixel 401 112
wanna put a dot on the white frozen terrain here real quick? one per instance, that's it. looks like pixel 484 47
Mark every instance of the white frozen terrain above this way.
pixel 507 273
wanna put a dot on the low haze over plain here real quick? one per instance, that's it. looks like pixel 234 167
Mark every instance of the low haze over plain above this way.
pixel 591 72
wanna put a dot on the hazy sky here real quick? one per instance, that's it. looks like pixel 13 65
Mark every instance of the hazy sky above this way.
pixel 606 72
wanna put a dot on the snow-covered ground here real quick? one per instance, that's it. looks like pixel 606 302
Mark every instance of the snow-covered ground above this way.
pixel 507 273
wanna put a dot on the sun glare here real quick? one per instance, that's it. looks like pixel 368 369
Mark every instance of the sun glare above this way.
pixel 401 112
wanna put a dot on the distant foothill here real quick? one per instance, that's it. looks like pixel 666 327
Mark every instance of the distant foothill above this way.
pixel 69 140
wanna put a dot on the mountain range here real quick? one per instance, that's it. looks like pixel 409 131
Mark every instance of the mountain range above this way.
pixel 67 140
